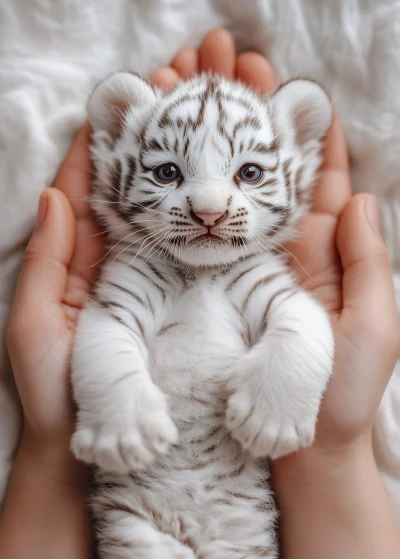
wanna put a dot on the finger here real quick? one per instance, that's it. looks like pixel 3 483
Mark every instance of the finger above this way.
pixel 75 175
pixel 315 260
pixel 315 256
pixel 217 53
pixel 368 291
pixel 333 190
pixel 43 276
pixel 165 78
pixel 254 70
pixel 186 63
pixel 74 180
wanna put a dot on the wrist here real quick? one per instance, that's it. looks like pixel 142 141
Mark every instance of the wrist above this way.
pixel 54 465
pixel 333 504
pixel 316 467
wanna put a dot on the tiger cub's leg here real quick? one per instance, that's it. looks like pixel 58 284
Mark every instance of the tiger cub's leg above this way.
pixel 130 537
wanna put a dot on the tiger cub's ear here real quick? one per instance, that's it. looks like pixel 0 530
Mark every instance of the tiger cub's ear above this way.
pixel 113 97
pixel 305 106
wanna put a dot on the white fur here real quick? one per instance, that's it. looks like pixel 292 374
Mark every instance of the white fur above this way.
pixel 52 55
pixel 184 350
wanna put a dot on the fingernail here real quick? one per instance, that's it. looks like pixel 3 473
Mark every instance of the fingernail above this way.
pixel 42 210
pixel 372 212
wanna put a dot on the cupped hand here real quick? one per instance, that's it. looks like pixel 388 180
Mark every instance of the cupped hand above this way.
pixel 340 257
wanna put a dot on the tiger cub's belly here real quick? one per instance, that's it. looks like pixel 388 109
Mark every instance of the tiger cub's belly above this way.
pixel 196 348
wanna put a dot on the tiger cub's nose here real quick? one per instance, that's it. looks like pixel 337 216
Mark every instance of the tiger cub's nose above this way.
pixel 209 219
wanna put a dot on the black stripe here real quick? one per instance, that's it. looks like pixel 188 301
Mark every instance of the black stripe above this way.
pixel 239 100
pixel 166 328
pixel 165 142
pixel 116 179
pixel 150 279
pixel 111 305
pixel 148 192
pixel 269 193
pixel 278 226
pixel 263 148
pixel 268 182
pixel 233 282
pixel 153 145
pixel 274 208
pixel 150 305
pixel 155 271
pixel 118 318
pixel 260 283
pixel 131 172
pixel 144 167
pixel 274 167
pixel 234 473
pixel 139 324
pixel 128 292
pixel 287 177
pixel 264 320
pixel 149 180
pixel 248 121
pixel 165 120
pixel 137 208
pixel 186 146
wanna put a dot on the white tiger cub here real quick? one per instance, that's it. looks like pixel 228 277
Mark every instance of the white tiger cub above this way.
pixel 198 355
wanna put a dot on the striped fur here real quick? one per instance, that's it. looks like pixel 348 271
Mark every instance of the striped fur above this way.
pixel 198 356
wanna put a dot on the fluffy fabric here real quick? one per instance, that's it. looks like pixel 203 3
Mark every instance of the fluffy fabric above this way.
pixel 52 54
pixel 197 355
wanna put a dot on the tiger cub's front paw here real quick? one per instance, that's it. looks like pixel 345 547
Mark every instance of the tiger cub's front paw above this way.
pixel 130 437
pixel 266 417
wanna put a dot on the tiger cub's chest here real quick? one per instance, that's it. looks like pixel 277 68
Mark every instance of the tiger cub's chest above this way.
pixel 201 338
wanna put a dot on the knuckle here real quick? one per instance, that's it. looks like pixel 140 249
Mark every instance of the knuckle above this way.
pixel 31 253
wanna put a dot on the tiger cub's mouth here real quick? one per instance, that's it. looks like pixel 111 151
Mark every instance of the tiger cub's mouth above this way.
pixel 209 239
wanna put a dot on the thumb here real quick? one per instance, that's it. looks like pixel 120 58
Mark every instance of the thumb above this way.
pixel 43 275
pixel 368 291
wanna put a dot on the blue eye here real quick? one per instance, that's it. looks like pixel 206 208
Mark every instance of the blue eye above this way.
pixel 250 173
pixel 168 172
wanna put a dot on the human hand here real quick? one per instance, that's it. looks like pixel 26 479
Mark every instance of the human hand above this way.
pixel 340 257
pixel 54 280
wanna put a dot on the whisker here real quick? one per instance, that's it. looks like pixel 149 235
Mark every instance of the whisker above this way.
pixel 112 248
pixel 145 246
pixel 155 246
pixel 143 239
pixel 127 224
pixel 134 204
pixel 105 182
pixel 288 252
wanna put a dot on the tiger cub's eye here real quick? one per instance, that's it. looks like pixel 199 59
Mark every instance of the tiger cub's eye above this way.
pixel 167 172
pixel 250 173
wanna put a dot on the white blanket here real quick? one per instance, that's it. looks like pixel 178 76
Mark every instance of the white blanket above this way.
pixel 52 52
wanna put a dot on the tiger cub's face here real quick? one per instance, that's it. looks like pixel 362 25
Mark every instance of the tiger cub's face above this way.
pixel 210 171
